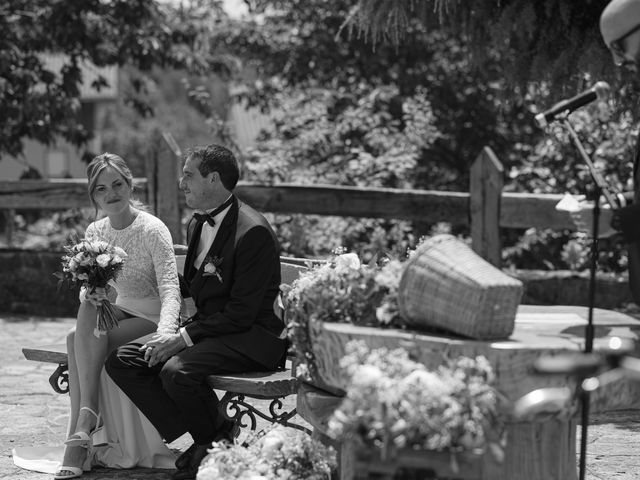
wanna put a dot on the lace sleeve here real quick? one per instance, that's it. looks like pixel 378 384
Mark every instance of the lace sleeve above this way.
pixel 164 263
pixel 90 233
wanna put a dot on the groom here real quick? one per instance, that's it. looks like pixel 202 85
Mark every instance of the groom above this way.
pixel 232 271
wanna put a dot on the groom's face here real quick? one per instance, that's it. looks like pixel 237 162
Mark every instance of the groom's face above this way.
pixel 198 190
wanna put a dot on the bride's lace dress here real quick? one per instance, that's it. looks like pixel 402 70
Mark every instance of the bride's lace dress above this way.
pixel 147 287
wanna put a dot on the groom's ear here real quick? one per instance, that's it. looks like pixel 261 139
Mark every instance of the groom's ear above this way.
pixel 215 177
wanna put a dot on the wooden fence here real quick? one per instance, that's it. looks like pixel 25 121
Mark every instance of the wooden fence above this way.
pixel 485 207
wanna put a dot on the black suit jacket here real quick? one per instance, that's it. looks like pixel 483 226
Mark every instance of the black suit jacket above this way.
pixel 629 224
pixel 239 309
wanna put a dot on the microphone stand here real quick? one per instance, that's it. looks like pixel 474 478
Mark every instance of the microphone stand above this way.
pixel 600 189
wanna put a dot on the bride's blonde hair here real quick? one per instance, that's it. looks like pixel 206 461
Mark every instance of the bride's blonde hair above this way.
pixel 98 165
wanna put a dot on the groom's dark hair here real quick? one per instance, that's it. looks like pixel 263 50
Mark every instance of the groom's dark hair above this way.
pixel 216 158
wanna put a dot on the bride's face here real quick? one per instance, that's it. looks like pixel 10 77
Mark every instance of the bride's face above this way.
pixel 112 194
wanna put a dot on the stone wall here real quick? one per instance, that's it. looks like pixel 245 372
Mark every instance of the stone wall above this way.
pixel 27 285
pixel 565 287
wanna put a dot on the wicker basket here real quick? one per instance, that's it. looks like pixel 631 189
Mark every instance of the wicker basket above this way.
pixel 448 286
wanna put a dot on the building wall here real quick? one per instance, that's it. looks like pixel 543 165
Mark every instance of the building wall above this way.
pixel 63 159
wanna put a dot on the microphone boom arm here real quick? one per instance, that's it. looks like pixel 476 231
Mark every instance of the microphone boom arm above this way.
pixel 595 174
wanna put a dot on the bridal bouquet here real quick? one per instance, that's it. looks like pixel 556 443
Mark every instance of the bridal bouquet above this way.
pixel 281 453
pixel 92 264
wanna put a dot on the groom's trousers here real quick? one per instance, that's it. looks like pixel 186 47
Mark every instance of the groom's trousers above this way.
pixel 175 396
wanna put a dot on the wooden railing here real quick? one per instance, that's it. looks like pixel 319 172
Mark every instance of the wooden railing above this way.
pixel 485 208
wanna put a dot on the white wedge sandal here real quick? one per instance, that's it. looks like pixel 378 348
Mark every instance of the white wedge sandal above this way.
pixel 75 472
pixel 84 439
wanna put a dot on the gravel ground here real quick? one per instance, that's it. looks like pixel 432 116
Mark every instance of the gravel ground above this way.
pixel 32 414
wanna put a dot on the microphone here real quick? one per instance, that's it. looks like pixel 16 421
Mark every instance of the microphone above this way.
pixel 599 91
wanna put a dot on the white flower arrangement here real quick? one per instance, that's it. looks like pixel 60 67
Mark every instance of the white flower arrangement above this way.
pixel 280 454
pixel 341 290
pixel 395 402
pixel 345 290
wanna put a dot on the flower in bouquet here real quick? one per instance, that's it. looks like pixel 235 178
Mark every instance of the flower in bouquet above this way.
pixel 281 453
pixel 395 402
pixel 92 264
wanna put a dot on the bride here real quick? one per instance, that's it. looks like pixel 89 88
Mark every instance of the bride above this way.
pixel 105 428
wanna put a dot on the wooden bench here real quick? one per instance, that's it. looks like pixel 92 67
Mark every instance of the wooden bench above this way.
pixel 272 385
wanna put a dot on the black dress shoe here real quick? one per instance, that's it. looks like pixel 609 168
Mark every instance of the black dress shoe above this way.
pixel 185 474
pixel 228 432
pixel 190 471
pixel 185 457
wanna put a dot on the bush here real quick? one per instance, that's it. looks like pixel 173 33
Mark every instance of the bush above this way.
pixel 553 165
pixel 370 136
pixel 51 231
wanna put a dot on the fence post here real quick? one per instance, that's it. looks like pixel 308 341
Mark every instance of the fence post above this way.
pixel 167 193
pixel 161 171
pixel 485 192
pixel 9 216
pixel 150 173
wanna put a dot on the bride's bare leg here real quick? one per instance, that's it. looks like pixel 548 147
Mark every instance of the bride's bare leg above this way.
pixel 73 456
pixel 74 391
pixel 129 329
pixel 90 352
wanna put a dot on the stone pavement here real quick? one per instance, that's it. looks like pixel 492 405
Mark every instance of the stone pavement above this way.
pixel 32 414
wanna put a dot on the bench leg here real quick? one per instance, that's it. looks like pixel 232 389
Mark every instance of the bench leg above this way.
pixel 234 407
pixel 59 379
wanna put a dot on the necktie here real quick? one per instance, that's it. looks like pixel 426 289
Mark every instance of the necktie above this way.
pixel 208 216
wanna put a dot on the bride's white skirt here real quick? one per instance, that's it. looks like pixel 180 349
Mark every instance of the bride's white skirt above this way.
pixel 132 440
pixel 148 308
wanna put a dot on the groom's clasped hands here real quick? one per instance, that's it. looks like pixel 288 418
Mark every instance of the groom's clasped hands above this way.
pixel 162 347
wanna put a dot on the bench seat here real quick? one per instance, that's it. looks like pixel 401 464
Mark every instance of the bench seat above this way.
pixel 257 384
pixel 47 353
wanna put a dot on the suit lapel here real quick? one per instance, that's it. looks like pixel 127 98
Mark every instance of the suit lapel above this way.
pixel 225 232
pixel 194 238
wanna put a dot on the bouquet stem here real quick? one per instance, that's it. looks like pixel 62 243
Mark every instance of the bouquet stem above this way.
pixel 107 318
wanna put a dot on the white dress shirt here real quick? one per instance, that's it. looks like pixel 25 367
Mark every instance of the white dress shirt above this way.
pixel 207 236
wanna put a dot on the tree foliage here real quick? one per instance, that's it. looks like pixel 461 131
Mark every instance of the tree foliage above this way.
pixel 553 165
pixel 40 104
pixel 300 44
pixel 467 59
pixel 544 40
pixel 367 136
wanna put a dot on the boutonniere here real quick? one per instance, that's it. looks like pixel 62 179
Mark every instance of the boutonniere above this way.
pixel 212 267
